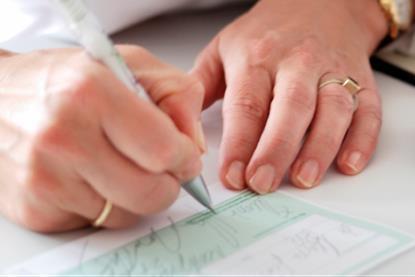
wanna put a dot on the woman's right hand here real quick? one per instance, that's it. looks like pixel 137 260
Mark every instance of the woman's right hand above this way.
pixel 72 136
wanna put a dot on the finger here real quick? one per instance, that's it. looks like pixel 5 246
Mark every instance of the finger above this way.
pixel 208 69
pixel 362 137
pixel 127 186
pixel 146 135
pixel 33 197
pixel 245 110
pixel 36 213
pixel 91 205
pixel 176 93
pixel 331 121
pixel 184 106
pixel 84 205
pixel 67 201
pixel 291 112
pixel 79 198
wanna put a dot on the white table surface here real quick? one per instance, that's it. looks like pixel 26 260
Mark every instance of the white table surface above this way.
pixel 384 192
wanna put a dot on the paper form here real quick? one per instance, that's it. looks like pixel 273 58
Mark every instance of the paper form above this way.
pixel 250 234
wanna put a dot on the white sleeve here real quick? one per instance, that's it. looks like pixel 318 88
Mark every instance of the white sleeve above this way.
pixel 31 18
pixel 21 18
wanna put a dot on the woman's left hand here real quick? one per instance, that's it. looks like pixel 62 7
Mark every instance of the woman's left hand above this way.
pixel 268 65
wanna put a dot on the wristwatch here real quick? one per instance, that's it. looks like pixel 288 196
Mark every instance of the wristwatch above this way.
pixel 399 13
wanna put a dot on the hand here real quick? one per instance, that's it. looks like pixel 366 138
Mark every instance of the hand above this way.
pixel 268 65
pixel 72 136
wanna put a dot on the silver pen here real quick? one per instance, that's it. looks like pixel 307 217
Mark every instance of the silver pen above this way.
pixel 97 43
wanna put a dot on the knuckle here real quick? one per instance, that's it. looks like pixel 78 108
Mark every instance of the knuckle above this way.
pixel 83 87
pixel 84 77
pixel 178 84
pixel 167 156
pixel 261 49
pixel 305 58
pixel 195 86
pixel 237 147
pixel 306 53
pixel 197 92
pixel 38 195
pixel 191 170
pixel 37 183
pixel 283 144
pixel 49 138
pixel 80 90
pixel 373 117
pixel 34 219
pixel 159 197
pixel 331 144
pixel 208 52
pixel 373 114
pixel 55 141
pixel 248 106
pixel 130 50
pixel 371 140
pixel 26 213
pixel 174 84
pixel 341 100
pixel 28 216
pixel 298 97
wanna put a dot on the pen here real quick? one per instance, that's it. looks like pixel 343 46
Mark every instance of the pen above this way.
pixel 97 43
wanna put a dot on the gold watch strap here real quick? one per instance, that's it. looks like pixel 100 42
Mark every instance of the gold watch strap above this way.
pixel 399 15
pixel 387 10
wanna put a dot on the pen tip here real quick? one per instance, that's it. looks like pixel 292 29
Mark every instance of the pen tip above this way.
pixel 211 209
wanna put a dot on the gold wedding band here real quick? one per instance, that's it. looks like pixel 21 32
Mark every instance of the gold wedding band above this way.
pixel 351 85
pixel 103 215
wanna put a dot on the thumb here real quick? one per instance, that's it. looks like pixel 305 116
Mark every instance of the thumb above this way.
pixel 208 70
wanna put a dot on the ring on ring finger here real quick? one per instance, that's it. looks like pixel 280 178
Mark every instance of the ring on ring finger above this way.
pixel 350 84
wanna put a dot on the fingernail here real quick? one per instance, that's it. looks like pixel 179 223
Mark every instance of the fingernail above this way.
pixel 200 137
pixel 235 175
pixel 354 161
pixel 263 179
pixel 308 173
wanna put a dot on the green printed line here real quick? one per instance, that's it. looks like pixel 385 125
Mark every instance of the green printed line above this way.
pixel 281 224
pixel 222 207
pixel 189 245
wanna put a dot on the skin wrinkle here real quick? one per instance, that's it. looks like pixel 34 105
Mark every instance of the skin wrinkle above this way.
pixel 300 47
pixel 58 102
pixel 10 138
pixel 68 97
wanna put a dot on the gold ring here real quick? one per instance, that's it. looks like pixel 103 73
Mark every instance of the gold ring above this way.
pixel 103 215
pixel 351 85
